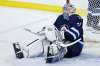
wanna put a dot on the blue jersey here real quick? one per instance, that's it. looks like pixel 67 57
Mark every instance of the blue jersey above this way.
pixel 74 25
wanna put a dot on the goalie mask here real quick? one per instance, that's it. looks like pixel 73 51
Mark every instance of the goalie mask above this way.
pixel 68 9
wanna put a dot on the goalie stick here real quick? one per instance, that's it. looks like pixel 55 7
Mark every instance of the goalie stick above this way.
pixel 37 33
pixel 63 45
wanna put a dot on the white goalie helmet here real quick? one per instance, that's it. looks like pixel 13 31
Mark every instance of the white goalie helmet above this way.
pixel 65 7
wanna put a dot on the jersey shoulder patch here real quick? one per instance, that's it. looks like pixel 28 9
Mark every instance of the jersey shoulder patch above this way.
pixel 80 21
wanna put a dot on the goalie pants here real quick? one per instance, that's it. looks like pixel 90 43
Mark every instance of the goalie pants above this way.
pixel 73 50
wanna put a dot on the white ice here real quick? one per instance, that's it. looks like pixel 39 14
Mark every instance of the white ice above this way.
pixel 12 24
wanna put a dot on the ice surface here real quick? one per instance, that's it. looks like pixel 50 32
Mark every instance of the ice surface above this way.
pixel 12 24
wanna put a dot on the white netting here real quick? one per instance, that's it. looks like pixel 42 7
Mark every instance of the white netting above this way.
pixel 93 17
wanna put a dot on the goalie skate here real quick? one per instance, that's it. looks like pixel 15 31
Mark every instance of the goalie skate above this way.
pixel 19 54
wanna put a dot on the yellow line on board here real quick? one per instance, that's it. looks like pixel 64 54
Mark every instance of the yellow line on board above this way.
pixel 38 6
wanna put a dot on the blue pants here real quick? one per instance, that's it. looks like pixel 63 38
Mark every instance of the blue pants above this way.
pixel 73 51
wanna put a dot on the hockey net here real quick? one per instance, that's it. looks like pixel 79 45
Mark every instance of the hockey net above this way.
pixel 93 18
